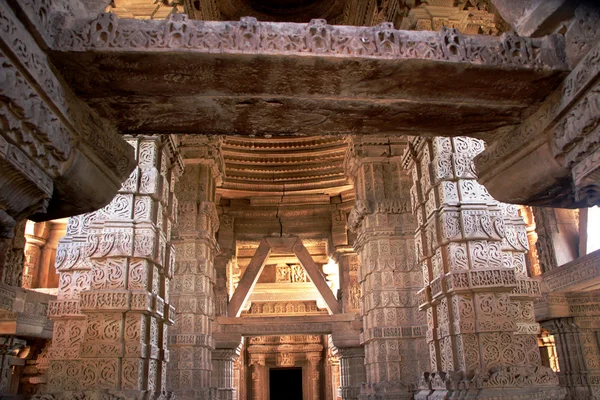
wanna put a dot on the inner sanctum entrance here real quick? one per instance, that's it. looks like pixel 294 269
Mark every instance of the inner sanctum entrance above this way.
pixel 288 367
pixel 285 384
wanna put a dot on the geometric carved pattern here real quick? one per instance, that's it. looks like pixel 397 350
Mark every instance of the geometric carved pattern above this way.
pixel 388 274
pixel 112 310
pixel 477 296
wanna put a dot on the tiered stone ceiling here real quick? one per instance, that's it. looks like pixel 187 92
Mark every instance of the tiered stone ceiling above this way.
pixel 287 166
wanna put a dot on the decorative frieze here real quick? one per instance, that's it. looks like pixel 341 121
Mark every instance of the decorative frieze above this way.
pixel 52 146
pixel 564 131
pixel 315 38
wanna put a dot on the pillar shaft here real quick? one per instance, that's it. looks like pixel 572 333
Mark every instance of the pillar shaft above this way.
pixel 389 277
pixel 36 237
pixel 223 361
pixel 477 296
pixel 112 309
pixel 352 371
pixel 576 339
pixel 192 293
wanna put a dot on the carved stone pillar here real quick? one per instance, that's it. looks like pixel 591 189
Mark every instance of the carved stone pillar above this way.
pixel 112 308
pixel 12 255
pixel 578 356
pixel 259 371
pixel 223 361
pixel 478 299
pixel 36 236
pixel 352 371
pixel 192 294
pixel 314 375
pixel 389 276
pixel 573 320
pixel 348 264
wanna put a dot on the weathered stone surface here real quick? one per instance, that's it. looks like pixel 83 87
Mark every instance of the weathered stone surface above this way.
pixel 552 154
pixel 242 77
pixel 57 156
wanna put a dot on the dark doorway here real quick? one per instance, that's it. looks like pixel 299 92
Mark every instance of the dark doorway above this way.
pixel 285 383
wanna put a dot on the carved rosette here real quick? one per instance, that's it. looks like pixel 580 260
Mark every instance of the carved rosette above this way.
pixel 477 295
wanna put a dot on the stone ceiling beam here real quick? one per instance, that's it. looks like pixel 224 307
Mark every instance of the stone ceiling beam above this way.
pixel 258 78
pixel 316 276
pixel 249 279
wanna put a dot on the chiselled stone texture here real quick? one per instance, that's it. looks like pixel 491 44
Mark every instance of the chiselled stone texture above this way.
pixel 286 351
pixel 352 371
pixel 222 373
pixel 192 294
pixel 477 296
pixel 573 321
pixel 354 68
pixel 113 307
pixel 580 274
pixel 555 151
pixel 12 255
pixel 57 156
pixel 393 328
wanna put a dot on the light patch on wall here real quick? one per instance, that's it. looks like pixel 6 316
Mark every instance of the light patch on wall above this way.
pixel 593 229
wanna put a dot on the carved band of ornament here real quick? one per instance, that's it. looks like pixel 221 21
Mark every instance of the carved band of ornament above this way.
pixel 16 38
pixel 571 274
pixel 498 377
pixel 23 164
pixel 408 332
pixel 108 145
pixel 527 288
pixel 492 279
pixel 587 172
pixel 28 121
pixel 584 310
pixel 577 133
pixel 314 38
pixel 64 309
pixel 285 339
pixel 570 90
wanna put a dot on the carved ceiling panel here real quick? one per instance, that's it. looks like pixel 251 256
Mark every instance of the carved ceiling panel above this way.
pixel 301 170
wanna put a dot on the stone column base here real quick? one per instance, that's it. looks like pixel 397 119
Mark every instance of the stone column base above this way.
pixel 225 394
pixel 506 383
pixel 386 391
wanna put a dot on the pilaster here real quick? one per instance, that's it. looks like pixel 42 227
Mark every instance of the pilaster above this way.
pixel 259 376
pixel 223 361
pixel 477 296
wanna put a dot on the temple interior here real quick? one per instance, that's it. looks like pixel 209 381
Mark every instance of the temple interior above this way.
pixel 299 199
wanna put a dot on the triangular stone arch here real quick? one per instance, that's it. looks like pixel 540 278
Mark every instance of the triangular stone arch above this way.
pixel 259 259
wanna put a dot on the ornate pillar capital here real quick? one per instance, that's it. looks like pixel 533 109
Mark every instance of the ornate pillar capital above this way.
pixel 206 150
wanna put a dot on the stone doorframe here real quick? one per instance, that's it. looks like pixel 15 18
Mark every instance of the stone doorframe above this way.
pixel 254 269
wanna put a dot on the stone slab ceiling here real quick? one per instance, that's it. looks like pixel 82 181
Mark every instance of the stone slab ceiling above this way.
pixel 282 79
pixel 302 165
